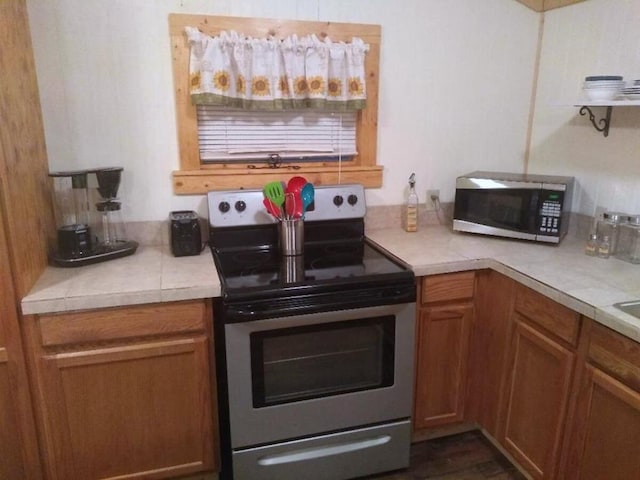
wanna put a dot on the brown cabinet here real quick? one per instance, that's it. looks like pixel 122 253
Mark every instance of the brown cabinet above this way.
pixel 444 322
pixel 538 382
pixel 604 443
pixel 559 392
pixel 18 450
pixel 126 392
pixel 490 333
pixel 26 223
pixel 12 463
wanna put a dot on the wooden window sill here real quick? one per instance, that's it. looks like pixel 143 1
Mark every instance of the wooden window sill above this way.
pixel 190 182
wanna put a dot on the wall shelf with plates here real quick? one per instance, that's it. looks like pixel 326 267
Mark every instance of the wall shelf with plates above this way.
pixel 601 91
pixel 603 124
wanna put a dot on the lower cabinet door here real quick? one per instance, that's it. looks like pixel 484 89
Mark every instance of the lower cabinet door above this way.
pixel 18 444
pixel 441 375
pixel 13 441
pixel 538 391
pixel 606 441
pixel 135 411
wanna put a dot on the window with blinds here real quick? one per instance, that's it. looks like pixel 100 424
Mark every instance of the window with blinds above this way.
pixel 230 135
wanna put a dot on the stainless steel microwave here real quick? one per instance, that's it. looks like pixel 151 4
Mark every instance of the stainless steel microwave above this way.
pixel 528 207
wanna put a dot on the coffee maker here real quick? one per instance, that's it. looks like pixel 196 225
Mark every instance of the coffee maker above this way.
pixel 88 220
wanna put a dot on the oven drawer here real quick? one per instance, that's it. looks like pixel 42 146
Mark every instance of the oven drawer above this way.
pixel 342 455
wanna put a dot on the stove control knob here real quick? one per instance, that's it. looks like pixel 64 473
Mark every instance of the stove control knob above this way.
pixel 352 199
pixel 338 200
pixel 241 206
pixel 224 207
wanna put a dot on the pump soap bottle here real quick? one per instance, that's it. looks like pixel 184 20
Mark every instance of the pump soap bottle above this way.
pixel 411 207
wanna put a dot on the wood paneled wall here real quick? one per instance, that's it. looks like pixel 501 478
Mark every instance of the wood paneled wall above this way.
pixel 25 194
pixel 544 5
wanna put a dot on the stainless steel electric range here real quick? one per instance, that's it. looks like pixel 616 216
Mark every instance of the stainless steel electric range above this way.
pixel 314 353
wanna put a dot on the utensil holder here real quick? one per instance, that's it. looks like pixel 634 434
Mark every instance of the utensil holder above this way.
pixel 291 236
pixel 292 269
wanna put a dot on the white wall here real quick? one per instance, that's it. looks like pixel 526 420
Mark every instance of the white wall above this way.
pixel 455 83
pixel 597 37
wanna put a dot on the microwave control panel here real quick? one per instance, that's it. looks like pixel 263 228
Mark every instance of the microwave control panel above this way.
pixel 550 212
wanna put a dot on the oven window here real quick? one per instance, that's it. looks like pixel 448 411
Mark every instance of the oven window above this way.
pixel 301 363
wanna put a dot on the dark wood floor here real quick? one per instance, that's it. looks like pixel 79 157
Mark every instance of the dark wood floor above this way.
pixel 466 456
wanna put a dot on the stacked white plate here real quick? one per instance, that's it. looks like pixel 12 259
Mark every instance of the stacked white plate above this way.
pixel 600 88
pixel 632 92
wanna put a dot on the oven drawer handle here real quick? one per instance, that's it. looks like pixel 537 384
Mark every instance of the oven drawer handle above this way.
pixel 325 451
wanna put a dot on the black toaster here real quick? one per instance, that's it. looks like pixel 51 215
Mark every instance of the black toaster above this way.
pixel 186 237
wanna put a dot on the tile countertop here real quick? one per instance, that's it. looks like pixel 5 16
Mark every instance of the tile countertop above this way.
pixel 150 275
pixel 564 273
pixel 588 285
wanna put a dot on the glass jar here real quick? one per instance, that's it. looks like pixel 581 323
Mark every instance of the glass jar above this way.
pixel 629 240
pixel 609 226
pixel 604 247
pixel 591 248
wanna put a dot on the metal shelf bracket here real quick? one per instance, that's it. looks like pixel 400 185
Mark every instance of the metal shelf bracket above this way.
pixel 603 122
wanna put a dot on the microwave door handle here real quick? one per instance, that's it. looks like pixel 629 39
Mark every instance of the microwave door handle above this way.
pixel 534 211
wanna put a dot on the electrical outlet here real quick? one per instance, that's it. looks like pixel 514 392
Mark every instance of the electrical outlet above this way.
pixel 599 211
pixel 432 200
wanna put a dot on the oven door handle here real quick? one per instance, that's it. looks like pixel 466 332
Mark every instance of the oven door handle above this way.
pixel 324 451
pixel 270 308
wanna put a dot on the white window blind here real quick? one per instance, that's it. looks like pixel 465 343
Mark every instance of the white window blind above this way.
pixel 229 135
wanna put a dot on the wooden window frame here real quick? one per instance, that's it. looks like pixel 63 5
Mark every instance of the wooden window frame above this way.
pixel 193 177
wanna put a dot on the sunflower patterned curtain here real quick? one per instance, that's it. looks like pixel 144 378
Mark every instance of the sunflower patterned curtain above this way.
pixel 271 74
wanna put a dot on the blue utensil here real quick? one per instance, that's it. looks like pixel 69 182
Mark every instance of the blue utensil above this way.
pixel 307 195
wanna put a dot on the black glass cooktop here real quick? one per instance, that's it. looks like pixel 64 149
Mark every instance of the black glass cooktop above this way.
pixel 339 270
pixel 267 270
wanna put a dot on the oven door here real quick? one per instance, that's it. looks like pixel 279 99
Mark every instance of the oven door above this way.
pixel 303 375
pixel 511 211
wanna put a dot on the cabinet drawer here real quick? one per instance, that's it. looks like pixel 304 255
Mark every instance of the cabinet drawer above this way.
pixel 616 354
pixel 556 319
pixel 124 322
pixel 447 287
